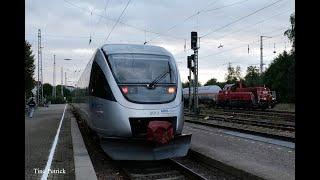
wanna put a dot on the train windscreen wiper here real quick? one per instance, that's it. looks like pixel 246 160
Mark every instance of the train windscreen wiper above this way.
pixel 160 77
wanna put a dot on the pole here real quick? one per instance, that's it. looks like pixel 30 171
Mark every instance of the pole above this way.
pixel 196 105
pixel 195 47
pixel 62 81
pixel 190 79
pixel 38 83
pixel 261 52
pixel 41 72
pixel 54 77
pixel 65 78
pixel 261 55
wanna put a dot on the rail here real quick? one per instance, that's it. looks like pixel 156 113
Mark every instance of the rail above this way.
pixel 244 130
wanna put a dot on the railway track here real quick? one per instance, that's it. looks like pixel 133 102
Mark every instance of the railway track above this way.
pixel 264 115
pixel 193 166
pixel 170 169
pixel 254 110
pixel 261 123
pixel 243 130
pixel 165 169
pixel 280 115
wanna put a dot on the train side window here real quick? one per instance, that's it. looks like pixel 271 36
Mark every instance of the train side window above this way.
pixel 99 86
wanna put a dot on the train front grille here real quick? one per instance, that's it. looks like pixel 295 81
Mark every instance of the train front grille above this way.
pixel 139 126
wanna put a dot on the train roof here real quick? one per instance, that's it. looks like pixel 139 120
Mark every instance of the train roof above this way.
pixel 134 48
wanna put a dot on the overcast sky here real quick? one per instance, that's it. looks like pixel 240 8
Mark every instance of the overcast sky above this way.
pixel 66 27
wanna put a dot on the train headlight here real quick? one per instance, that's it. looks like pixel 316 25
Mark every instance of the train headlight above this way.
pixel 171 90
pixel 125 89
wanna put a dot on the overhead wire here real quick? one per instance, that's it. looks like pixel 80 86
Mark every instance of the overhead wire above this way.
pixel 162 34
pixel 115 24
pixel 252 25
pixel 239 19
pixel 244 45
pixel 120 22
pixel 151 31
pixel 237 46
pixel 105 10
pixel 228 5
pixel 197 13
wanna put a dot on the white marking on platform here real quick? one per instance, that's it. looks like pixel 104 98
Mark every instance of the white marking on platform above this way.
pixel 48 166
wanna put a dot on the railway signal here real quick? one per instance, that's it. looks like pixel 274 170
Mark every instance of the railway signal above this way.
pixel 189 62
pixel 190 79
pixel 194 38
pixel 194 69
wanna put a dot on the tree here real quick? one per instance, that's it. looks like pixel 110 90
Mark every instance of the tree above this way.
pixel 230 76
pixel 290 33
pixel 66 92
pixel 280 76
pixel 185 84
pixel 233 75
pixel 252 77
pixel 292 80
pixel 29 81
pixel 47 90
pixel 212 81
pixel 238 73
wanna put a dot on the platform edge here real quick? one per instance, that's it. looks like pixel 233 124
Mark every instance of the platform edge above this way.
pixel 83 166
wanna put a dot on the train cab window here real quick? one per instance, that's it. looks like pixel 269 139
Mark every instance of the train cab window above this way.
pixel 99 86
pixel 134 73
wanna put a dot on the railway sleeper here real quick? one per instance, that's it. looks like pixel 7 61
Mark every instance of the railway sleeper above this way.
pixel 172 174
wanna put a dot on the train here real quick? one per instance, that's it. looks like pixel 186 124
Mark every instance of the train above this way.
pixel 235 95
pixel 206 94
pixel 238 95
pixel 131 96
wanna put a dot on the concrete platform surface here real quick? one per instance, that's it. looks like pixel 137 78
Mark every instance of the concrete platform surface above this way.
pixel 262 157
pixel 40 132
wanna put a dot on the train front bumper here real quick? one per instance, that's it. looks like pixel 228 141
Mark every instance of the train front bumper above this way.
pixel 138 149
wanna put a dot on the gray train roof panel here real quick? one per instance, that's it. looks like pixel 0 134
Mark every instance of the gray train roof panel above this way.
pixel 134 48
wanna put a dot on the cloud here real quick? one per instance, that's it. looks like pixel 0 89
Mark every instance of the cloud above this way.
pixel 83 51
pixel 66 30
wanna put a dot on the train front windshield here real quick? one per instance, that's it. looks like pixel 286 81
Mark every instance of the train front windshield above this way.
pixel 134 72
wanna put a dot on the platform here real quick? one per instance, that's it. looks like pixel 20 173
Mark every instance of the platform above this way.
pixel 262 157
pixel 58 148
